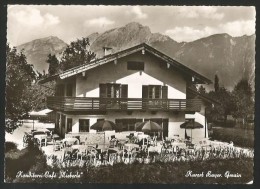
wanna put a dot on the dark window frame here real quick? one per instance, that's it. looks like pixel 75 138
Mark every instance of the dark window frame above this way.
pixel 113 90
pixel 69 128
pixel 127 124
pixel 155 92
pixel 87 125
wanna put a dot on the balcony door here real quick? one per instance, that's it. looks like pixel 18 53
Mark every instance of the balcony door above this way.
pixel 111 94
pixel 154 96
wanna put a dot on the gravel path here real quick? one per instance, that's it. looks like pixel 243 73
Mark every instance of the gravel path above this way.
pixel 17 135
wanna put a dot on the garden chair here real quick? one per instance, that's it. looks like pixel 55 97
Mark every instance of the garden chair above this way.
pixel 103 157
pixel 113 143
pixel 168 148
pixel 41 141
pixel 57 145
pixel 81 153
pixel 112 157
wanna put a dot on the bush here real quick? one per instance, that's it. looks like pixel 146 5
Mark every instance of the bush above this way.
pixel 23 160
pixel 10 146
pixel 240 137
pixel 221 123
pixel 159 172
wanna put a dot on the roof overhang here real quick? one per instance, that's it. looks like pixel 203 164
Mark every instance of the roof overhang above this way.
pixel 47 79
pixel 203 97
pixel 109 58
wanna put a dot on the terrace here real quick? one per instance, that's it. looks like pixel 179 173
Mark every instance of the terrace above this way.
pixel 104 104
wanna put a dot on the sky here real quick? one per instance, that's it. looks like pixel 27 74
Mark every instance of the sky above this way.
pixel 182 23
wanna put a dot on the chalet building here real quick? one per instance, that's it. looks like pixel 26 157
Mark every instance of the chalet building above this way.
pixel 133 85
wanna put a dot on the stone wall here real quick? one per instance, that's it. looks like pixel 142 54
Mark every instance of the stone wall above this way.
pixel 88 138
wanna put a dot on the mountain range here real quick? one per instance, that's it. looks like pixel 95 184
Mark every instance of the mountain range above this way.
pixel 231 58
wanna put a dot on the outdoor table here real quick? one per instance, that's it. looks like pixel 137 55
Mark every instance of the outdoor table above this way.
pixel 140 137
pixel 102 147
pixel 154 149
pixel 121 143
pixel 130 146
pixel 70 141
pixel 179 144
pixel 55 137
pixel 79 147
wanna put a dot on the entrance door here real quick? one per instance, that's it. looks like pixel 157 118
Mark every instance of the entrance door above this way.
pixel 63 118
pixel 69 125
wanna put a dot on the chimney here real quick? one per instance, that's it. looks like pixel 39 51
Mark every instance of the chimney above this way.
pixel 107 50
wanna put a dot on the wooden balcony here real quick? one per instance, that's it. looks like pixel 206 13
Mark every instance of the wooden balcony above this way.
pixel 68 104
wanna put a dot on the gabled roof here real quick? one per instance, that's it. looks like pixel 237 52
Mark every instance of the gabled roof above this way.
pixel 109 58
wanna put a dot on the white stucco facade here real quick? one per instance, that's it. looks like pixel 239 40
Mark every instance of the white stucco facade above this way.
pixel 156 72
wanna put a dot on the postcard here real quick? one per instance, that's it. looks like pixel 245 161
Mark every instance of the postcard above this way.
pixel 130 94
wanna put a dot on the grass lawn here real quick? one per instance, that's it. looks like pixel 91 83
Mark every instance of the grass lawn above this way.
pixel 240 137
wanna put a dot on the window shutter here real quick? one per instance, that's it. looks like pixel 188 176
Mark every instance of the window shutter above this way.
pixel 144 96
pixel 145 91
pixel 164 92
pixel 102 91
pixel 124 91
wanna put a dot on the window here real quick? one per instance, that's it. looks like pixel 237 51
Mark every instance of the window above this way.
pixel 134 65
pixel 69 90
pixel 155 92
pixel 69 125
pixel 83 125
pixel 113 90
pixel 100 120
pixel 127 124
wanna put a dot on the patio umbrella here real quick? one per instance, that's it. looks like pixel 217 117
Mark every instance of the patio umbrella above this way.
pixel 148 126
pixel 190 124
pixel 35 115
pixel 104 125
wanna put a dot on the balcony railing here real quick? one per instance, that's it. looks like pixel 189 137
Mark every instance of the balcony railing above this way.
pixel 104 104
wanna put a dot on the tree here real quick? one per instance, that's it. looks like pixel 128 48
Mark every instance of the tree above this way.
pixel 75 54
pixel 19 77
pixel 216 83
pixel 226 106
pixel 53 64
pixel 202 90
pixel 243 96
pixel 38 94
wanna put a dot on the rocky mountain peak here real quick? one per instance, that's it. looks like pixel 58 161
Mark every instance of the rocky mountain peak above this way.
pixel 37 51
pixel 232 58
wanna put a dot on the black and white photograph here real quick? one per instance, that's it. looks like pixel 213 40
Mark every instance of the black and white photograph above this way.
pixel 130 94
